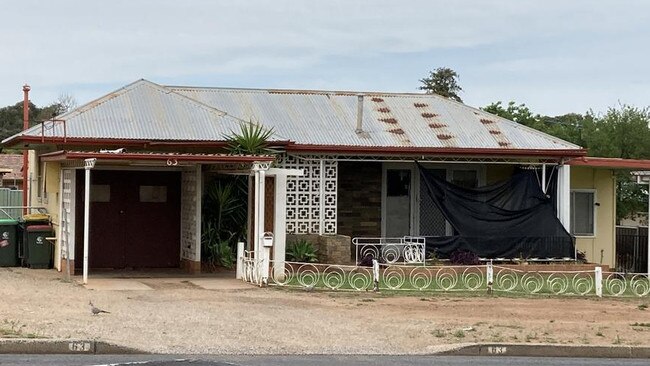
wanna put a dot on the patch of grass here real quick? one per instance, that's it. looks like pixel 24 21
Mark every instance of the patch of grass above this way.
pixel 640 325
pixel 13 329
pixel 439 333
pixel 642 306
pixel 459 333
pixel 617 340
pixel 530 337
pixel 497 337
pixel 367 300
pixel 599 334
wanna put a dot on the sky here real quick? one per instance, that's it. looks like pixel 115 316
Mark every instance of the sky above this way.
pixel 555 56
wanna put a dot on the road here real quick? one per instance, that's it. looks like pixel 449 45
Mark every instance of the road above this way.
pixel 318 360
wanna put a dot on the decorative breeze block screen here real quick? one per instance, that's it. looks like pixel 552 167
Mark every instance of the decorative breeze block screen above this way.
pixel 304 195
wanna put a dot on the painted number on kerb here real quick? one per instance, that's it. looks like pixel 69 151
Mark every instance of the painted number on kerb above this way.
pixel 79 346
pixel 492 350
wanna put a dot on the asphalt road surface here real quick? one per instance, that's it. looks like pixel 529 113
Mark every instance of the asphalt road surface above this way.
pixel 207 360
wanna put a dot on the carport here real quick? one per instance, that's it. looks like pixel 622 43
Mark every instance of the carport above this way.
pixel 123 209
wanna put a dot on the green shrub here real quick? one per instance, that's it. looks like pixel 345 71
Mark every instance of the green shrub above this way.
pixel 301 251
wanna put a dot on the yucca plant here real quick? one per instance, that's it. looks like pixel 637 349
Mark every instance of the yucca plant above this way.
pixel 301 251
pixel 252 139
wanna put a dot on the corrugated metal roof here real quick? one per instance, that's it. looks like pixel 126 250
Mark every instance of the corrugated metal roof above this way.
pixel 142 110
pixel 148 111
pixel 408 120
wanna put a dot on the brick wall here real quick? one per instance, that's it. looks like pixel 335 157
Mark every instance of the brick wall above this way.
pixel 359 199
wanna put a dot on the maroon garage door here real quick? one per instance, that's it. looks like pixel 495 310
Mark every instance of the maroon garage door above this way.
pixel 134 219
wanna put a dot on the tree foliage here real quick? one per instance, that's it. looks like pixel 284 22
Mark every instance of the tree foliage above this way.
pixel 11 117
pixel 443 81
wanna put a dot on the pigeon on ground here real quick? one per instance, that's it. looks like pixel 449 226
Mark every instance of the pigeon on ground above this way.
pixel 94 310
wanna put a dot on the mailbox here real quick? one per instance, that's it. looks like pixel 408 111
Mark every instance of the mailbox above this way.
pixel 267 239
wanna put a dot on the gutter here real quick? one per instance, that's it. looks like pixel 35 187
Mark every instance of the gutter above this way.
pixel 444 151
pixel 104 142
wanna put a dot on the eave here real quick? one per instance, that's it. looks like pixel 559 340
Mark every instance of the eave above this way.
pixel 437 151
pixel 155 157
pixel 614 163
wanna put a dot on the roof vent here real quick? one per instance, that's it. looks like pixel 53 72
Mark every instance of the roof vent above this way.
pixel 359 114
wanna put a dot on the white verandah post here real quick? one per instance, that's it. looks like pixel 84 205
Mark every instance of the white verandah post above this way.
pixel 279 224
pixel 564 198
pixel 89 164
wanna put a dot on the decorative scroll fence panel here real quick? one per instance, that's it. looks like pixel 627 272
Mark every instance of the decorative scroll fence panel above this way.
pixel 470 279
pixel 406 249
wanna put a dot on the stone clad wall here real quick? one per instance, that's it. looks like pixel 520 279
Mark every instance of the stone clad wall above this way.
pixel 334 249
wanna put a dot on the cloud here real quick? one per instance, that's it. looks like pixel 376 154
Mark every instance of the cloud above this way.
pixel 90 45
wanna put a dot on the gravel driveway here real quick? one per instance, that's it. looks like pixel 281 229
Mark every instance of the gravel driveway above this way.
pixel 179 317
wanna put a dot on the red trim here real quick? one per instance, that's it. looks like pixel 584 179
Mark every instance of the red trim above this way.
pixel 103 142
pixel 78 155
pixel 437 151
pixel 611 163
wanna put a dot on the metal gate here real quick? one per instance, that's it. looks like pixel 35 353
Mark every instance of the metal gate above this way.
pixel 631 249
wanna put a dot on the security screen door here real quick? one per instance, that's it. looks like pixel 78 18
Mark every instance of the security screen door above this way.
pixel 397 204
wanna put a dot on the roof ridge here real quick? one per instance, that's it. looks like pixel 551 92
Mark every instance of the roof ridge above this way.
pixel 223 113
pixel 305 91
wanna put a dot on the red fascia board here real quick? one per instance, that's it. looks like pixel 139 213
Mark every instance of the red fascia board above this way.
pixel 610 163
pixel 74 155
pixel 82 141
pixel 375 150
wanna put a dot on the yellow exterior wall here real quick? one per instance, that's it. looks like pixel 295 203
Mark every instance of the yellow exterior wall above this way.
pixel 601 247
pixel 46 194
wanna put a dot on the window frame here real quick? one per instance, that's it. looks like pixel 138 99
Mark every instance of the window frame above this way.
pixel 595 214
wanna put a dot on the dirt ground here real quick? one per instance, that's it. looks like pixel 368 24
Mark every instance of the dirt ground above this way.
pixel 180 317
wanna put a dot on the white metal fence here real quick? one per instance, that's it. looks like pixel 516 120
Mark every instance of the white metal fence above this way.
pixel 471 279
pixel 406 249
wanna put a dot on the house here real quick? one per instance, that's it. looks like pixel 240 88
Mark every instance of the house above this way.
pixel 11 166
pixel 347 169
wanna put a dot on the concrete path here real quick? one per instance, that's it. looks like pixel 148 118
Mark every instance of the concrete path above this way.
pixel 146 284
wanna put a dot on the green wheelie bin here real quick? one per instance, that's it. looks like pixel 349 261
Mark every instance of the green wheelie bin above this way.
pixel 9 243
pixel 37 250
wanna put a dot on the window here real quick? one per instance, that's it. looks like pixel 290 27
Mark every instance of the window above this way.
pixel 583 213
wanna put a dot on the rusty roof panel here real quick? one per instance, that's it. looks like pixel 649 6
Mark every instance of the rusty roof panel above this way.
pixel 329 118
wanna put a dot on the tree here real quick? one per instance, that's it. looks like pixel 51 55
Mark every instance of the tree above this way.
pixel 443 81
pixel 619 133
pixel 622 133
pixel 11 117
